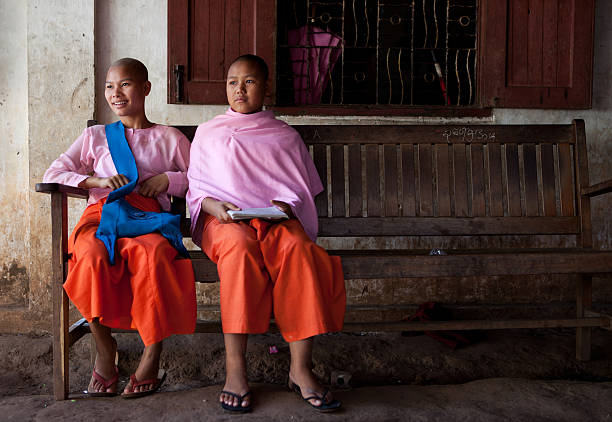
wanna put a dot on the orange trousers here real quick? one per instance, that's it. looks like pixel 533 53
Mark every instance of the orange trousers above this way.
pixel 150 288
pixel 275 269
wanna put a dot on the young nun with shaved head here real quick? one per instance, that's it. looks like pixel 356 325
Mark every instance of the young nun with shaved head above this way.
pixel 126 270
pixel 246 158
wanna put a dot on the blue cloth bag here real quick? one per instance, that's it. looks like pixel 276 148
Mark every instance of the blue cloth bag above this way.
pixel 119 218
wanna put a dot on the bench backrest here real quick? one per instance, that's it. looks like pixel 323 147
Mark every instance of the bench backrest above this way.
pixel 448 180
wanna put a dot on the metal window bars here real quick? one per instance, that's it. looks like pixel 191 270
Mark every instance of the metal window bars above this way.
pixel 377 52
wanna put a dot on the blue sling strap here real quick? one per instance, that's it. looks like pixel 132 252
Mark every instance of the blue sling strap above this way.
pixel 119 218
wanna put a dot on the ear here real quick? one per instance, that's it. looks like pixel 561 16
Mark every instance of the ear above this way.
pixel 147 88
pixel 267 89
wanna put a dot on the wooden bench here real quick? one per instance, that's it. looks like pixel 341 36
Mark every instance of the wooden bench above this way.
pixel 501 200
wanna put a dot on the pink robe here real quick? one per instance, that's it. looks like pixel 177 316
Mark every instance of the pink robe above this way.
pixel 158 149
pixel 248 160
pixel 150 288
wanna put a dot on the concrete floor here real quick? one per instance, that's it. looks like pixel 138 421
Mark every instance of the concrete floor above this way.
pixel 504 376
pixel 499 399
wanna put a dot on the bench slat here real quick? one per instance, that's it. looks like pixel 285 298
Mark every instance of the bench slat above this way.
pixel 443 170
pixel 337 180
pixel 496 204
pixel 373 176
pixel 531 180
pixel 393 264
pixel 320 160
pixel 566 174
pixel 432 134
pixel 385 266
pixel 408 181
pixel 513 184
pixel 425 180
pixel 548 180
pixel 391 180
pixel 460 182
pixel 355 183
pixel 447 226
pixel 478 180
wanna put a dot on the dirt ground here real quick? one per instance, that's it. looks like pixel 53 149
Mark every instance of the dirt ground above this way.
pixel 506 375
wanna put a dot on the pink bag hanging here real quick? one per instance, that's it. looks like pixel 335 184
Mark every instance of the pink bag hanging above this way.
pixel 314 53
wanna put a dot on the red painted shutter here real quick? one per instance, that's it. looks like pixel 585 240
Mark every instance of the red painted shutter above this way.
pixel 536 53
pixel 204 36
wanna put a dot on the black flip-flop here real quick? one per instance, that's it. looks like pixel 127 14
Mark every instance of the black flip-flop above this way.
pixel 237 409
pixel 324 407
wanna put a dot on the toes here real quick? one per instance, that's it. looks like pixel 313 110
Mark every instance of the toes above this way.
pixel 315 402
pixel 227 399
pixel 233 401
pixel 96 386
pixel 145 387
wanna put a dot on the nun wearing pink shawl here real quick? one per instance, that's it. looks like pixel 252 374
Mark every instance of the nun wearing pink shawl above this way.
pixel 246 158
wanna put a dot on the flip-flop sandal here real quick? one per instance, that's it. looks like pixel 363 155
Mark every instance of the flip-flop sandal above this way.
pixel 106 383
pixel 156 382
pixel 239 408
pixel 324 407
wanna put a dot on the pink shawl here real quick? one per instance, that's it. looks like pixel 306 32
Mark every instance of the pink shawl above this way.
pixel 248 160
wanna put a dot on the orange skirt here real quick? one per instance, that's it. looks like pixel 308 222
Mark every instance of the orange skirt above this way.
pixel 150 288
pixel 275 269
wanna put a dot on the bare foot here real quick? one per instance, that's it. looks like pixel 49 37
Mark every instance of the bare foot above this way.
pixel 105 367
pixel 235 371
pixel 148 368
pixel 308 384
pixel 235 382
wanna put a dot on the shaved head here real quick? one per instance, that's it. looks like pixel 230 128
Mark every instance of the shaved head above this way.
pixel 257 61
pixel 135 67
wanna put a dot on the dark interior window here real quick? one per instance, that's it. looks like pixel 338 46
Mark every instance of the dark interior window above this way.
pixel 376 52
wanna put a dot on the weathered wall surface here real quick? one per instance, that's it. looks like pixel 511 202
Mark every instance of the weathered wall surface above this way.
pixel 57 46
pixel 14 238
pixel 53 61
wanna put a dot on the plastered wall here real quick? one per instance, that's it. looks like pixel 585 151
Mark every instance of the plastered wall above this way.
pixel 49 46
pixel 14 235
pixel 53 60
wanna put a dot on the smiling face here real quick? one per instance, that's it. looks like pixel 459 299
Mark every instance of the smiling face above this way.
pixel 246 87
pixel 125 91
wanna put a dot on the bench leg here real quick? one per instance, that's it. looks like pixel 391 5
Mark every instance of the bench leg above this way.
pixel 60 348
pixel 584 300
pixel 59 298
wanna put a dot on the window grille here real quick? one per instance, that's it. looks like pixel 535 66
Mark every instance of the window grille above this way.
pixel 385 52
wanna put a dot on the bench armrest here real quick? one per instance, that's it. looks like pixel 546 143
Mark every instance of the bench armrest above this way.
pixel 598 189
pixel 70 191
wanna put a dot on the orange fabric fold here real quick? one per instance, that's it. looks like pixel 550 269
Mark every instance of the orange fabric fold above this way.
pixel 150 288
pixel 275 269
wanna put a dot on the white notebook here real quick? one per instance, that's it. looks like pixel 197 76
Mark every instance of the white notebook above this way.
pixel 271 213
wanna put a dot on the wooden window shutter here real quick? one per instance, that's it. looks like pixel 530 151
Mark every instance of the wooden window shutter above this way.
pixel 204 36
pixel 536 53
